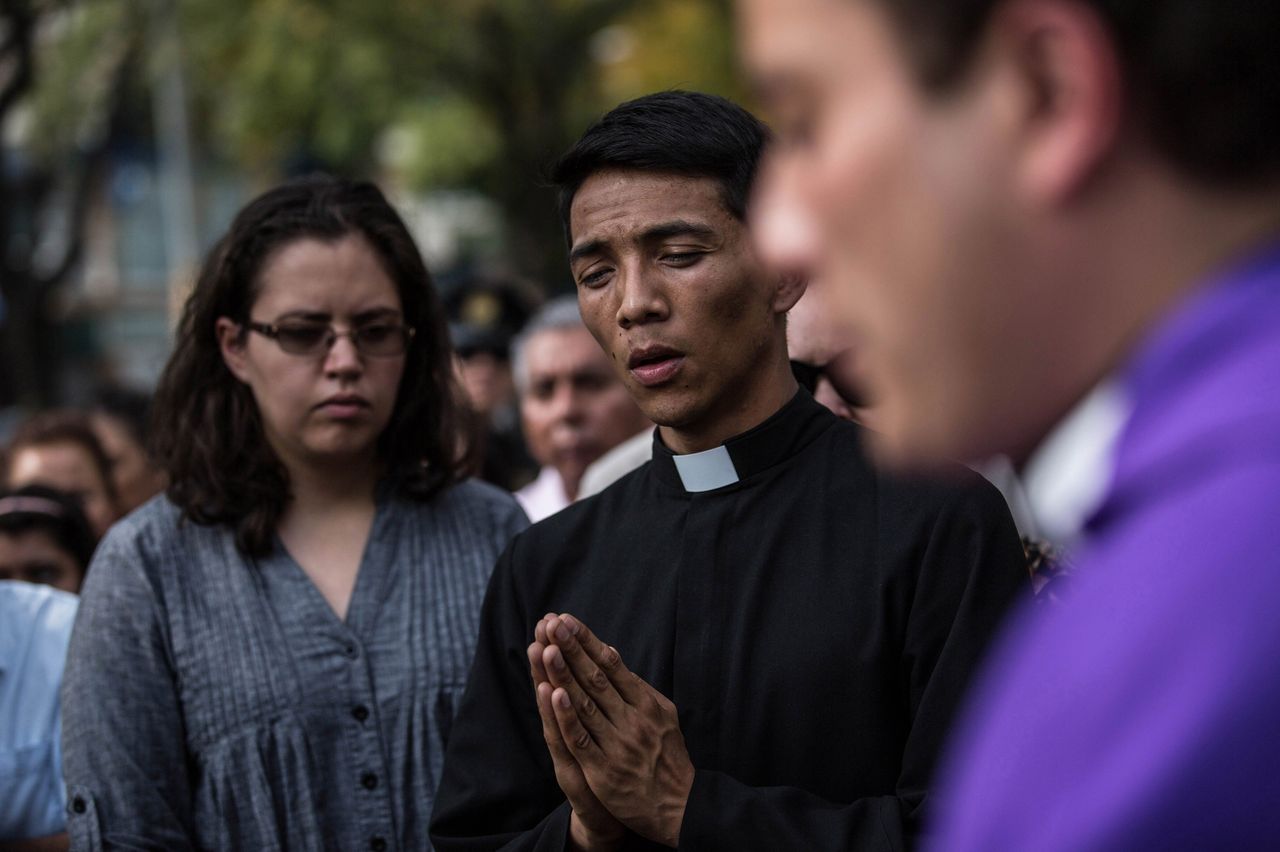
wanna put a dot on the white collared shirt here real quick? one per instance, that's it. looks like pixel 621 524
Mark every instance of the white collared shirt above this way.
pixel 544 496
pixel 1068 475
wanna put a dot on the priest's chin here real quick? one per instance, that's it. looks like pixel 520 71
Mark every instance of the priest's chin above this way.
pixel 909 436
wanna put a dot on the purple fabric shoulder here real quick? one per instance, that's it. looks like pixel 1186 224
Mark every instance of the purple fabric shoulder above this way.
pixel 1142 714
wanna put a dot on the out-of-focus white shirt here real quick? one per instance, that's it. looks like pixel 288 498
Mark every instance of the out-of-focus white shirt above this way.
pixel 1068 476
pixel 544 496
pixel 616 463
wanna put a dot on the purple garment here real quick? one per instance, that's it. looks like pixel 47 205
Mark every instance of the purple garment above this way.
pixel 1145 712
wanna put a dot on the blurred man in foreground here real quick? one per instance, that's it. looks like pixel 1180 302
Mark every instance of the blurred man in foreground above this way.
pixel 572 405
pixel 1056 224
pixel 487 310
pixel 790 630
pixel 821 352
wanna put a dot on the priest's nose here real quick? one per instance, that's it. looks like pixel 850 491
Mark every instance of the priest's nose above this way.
pixel 642 298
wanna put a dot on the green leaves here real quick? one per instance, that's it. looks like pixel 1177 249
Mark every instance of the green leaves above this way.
pixel 427 94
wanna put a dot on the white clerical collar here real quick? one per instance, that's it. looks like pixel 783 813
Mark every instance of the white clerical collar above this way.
pixel 1067 477
pixel 707 470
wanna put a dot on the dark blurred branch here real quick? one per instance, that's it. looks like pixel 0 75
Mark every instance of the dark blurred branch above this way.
pixel 32 194
pixel 523 74
pixel 89 176
pixel 16 52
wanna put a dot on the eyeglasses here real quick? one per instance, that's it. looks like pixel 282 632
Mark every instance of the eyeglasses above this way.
pixel 376 339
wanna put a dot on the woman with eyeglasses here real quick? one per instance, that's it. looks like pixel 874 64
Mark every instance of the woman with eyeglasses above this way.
pixel 268 656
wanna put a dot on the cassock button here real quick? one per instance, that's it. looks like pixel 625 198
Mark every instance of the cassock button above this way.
pixel 377 844
pixel 78 805
pixel 360 712
pixel 369 780
pixel 351 651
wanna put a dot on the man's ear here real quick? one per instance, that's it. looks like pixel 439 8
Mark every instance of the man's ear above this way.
pixel 1070 112
pixel 790 287
pixel 231 342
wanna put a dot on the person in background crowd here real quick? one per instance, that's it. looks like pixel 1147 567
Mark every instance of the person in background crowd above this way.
pixel 270 656
pixel 572 404
pixel 616 463
pixel 119 419
pixel 44 538
pixel 58 449
pixel 790 630
pixel 486 311
pixel 821 355
pixel 35 623
pixel 1055 229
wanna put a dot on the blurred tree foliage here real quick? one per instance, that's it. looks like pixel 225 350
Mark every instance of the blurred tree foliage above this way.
pixel 424 94
pixel 450 93
pixel 66 70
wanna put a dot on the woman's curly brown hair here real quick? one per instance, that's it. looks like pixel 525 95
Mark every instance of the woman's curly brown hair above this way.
pixel 207 433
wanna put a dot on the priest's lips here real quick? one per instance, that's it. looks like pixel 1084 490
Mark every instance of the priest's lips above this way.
pixel 655 365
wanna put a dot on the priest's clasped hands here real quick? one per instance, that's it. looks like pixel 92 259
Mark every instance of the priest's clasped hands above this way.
pixel 615 741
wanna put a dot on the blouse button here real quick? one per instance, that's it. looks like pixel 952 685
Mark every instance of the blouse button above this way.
pixel 360 712
pixel 369 780
pixel 377 844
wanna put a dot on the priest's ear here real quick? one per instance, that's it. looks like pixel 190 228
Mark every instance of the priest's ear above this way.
pixel 788 288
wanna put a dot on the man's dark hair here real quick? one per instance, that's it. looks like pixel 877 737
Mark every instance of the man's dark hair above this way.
pixel 683 133
pixel 1204 77
pixel 130 407
pixel 53 512
pixel 206 430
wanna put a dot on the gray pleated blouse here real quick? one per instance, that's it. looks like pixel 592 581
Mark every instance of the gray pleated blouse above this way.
pixel 217 702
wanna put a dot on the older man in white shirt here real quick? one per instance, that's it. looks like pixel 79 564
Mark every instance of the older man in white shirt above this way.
pixel 572 405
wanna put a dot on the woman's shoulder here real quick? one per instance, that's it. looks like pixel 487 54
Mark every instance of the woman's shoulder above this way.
pixel 157 521
pixel 157 540
pixel 159 510
pixel 479 507
pixel 474 495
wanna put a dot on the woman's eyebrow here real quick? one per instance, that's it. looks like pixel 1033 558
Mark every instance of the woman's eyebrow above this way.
pixel 376 314
pixel 310 316
pixel 321 316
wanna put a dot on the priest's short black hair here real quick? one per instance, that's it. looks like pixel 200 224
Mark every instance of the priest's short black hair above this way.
pixel 676 132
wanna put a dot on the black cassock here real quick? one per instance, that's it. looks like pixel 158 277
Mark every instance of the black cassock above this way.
pixel 815 624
